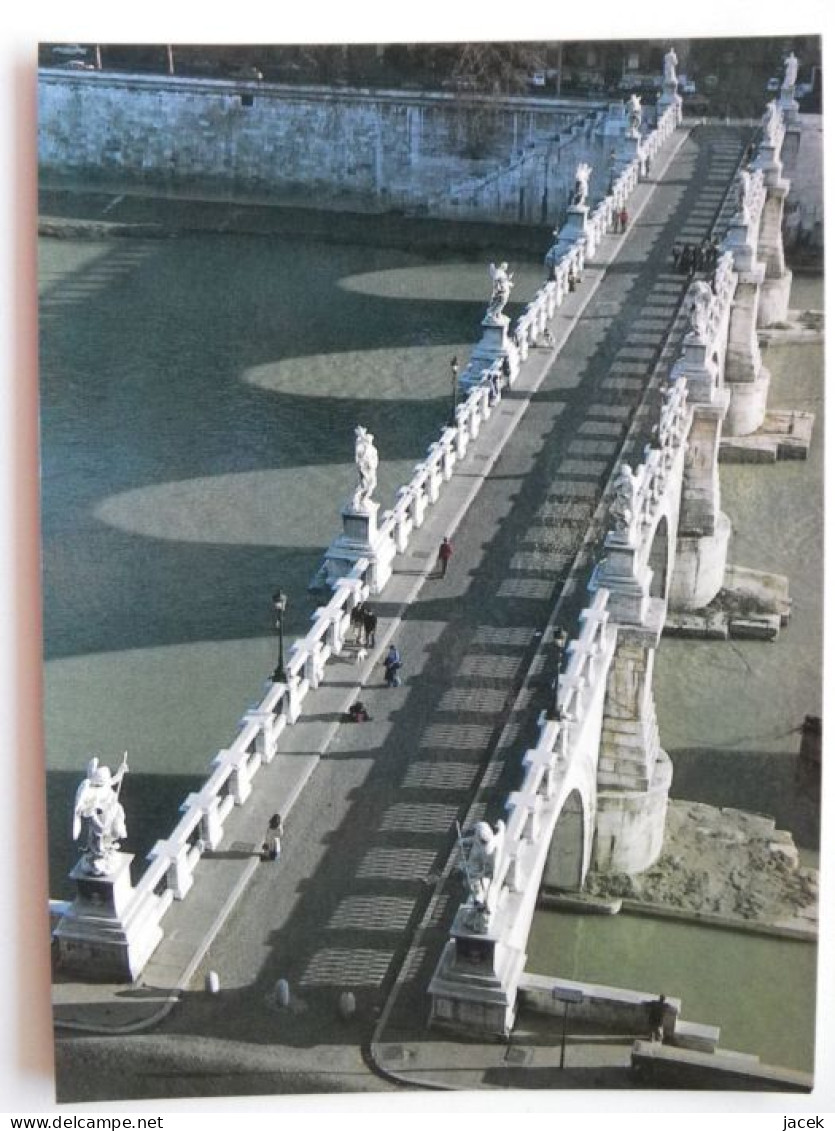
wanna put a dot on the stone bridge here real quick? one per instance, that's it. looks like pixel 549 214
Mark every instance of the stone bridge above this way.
pixel 596 784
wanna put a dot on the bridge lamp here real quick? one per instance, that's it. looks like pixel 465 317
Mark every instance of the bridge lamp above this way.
pixel 568 996
pixel 453 369
pixel 560 644
pixel 280 606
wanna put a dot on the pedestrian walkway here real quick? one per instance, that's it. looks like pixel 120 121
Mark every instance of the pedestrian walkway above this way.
pixel 362 895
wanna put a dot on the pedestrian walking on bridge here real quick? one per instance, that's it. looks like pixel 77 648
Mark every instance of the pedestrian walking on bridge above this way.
pixel 358 623
pixel 369 622
pixel 392 664
pixel 560 646
pixel 444 554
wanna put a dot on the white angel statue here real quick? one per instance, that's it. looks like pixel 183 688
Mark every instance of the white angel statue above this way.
pixel 502 285
pixel 99 816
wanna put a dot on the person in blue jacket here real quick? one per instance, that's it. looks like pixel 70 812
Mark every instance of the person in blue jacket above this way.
pixel 392 663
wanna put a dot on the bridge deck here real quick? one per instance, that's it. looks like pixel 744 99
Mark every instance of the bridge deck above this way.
pixel 370 808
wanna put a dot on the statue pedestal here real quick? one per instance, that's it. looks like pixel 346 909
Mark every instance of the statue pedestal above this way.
pixel 670 97
pixel 700 369
pixel 789 106
pixel 359 524
pixel 574 229
pixel 627 580
pixel 360 538
pixel 628 149
pixel 495 345
pixel 576 222
pixel 109 932
pixel 475 984
pixel 740 240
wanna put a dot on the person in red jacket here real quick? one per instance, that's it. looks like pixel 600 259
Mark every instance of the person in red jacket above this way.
pixel 444 554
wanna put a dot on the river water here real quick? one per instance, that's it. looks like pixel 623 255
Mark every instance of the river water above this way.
pixel 199 397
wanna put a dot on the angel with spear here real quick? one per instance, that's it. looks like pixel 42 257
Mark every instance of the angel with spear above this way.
pixel 99 815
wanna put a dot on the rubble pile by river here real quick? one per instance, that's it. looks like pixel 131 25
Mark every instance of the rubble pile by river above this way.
pixel 726 864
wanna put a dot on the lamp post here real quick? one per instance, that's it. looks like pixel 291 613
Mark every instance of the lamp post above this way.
pixel 280 605
pixel 453 369
pixel 568 997
pixel 560 642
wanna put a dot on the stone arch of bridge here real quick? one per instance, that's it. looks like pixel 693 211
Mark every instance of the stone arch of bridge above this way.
pixel 661 559
pixel 567 860
pixel 658 541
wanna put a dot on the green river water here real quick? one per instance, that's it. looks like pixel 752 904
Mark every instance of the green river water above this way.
pixel 198 403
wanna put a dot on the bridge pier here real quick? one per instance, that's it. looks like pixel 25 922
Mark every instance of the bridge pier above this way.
pixel 704 530
pixel 746 378
pixel 776 287
pixel 633 773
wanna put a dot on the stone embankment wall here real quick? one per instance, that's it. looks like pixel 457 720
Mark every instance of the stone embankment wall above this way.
pixel 338 147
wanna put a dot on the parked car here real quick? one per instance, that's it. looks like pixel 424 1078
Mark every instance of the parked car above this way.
pixel 464 84
pixel 69 50
pixel 247 73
